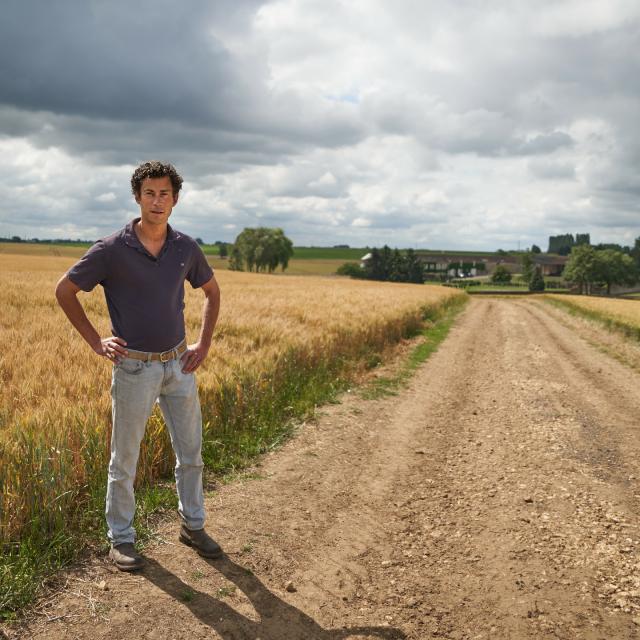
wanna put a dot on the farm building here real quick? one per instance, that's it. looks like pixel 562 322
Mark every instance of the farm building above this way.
pixel 550 264
pixel 456 265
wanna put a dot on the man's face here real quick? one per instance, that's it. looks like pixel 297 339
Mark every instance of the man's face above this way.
pixel 156 200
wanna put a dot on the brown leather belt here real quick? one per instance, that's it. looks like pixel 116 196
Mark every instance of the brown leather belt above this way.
pixel 164 356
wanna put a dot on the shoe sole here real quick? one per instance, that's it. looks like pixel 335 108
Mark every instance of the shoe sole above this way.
pixel 188 542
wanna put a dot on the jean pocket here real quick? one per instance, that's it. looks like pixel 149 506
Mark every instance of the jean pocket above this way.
pixel 130 366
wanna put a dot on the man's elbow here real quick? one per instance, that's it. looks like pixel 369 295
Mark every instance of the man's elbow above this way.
pixel 212 291
pixel 64 290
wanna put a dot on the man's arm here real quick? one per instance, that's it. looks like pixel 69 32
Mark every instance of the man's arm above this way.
pixel 197 352
pixel 112 348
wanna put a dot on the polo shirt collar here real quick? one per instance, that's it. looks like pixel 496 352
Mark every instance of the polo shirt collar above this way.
pixel 131 239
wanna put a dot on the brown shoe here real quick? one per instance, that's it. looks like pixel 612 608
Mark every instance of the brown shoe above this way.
pixel 125 557
pixel 200 540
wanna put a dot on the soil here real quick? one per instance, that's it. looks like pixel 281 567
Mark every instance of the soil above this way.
pixel 496 496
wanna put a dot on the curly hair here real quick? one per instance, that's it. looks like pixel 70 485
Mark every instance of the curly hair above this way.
pixel 155 169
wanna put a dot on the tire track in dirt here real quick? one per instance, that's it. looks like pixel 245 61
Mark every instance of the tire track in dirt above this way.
pixel 495 497
pixel 606 404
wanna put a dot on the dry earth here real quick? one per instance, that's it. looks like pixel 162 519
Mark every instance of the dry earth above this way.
pixel 495 497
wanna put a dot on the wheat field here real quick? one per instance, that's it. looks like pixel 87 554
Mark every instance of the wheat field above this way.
pixel 274 334
pixel 623 312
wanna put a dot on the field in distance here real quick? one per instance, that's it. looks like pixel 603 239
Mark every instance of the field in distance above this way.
pixel 306 260
pixel 343 254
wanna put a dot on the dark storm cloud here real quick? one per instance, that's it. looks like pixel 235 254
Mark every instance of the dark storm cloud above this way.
pixel 110 77
pixel 117 142
pixel 117 60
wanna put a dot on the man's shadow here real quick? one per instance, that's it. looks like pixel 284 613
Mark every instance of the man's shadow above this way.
pixel 278 620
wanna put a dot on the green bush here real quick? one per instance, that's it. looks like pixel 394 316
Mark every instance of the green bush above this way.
pixel 352 269
pixel 537 281
pixel 501 275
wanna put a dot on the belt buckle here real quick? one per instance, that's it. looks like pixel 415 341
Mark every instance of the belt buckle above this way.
pixel 165 356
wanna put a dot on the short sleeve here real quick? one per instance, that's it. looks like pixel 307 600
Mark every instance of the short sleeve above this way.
pixel 200 271
pixel 91 269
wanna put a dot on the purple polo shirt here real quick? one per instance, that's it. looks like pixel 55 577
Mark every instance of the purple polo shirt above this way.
pixel 145 295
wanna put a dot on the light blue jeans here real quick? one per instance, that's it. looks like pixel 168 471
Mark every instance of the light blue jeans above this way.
pixel 136 386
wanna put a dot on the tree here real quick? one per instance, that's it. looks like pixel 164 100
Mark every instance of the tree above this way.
pixel 223 251
pixel 387 261
pixel 392 265
pixel 414 267
pixel 581 268
pixel 235 262
pixel 635 252
pixel 528 267
pixel 262 249
pixel 536 283
pixel 374 269
pixel 614 267
pixel 535 249
pixel 397 272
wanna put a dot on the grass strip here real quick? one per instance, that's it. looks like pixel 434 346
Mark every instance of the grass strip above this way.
pixel 242 418
pixel 612 324
pixel 433 335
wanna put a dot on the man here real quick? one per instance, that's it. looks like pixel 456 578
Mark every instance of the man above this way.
pixel 142 269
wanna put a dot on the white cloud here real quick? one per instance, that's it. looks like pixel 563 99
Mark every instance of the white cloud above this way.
pixel 106 197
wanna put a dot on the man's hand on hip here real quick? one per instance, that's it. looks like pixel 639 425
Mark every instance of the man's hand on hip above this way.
pixel 112 348
pixel 192 358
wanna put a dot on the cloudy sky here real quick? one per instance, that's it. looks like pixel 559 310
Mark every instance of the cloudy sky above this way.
pixel 466 124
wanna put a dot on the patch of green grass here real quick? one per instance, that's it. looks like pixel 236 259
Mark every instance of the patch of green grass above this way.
pixel 510 289
pixel 24 566
pixel 187 595
pixel 433 336
pixel 225 592
pixel 329 253
pixel 308 253
pixel 152 502
pixel 247 548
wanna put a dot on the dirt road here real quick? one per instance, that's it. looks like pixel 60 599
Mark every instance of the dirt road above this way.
pixel 496 497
